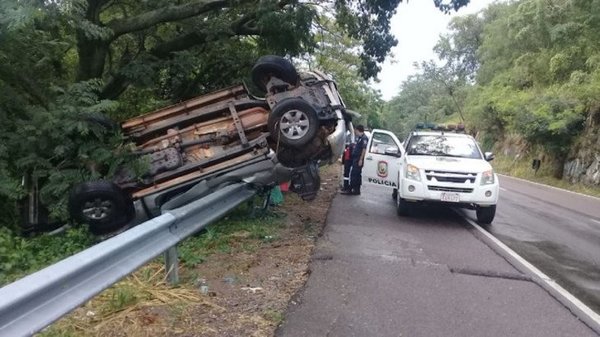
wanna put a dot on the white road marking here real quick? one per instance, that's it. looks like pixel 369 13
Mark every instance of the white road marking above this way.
pixel 552 187
pixel 581 310
pixel 503 189
pixel 596 221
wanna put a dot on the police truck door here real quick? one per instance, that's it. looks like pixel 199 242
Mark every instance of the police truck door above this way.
pixel 382 161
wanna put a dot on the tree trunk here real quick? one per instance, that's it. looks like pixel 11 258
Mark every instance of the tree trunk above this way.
pixel 92 57
pixel 115 87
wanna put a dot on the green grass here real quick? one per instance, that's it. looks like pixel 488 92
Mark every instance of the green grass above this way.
pixel 236 232
pixel 121 297
pixel 522 169
pixel 20 256
pixel 240 231
pixel 274 316
pixel 64 332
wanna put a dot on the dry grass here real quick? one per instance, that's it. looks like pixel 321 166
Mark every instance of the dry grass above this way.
pixel 236 254
pixel 135 306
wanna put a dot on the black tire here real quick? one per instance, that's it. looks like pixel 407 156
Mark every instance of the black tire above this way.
pixel 43 224
pixel 102 205
pixel 402 207
pixel 395 194
pixel 272 65
pixel 306 182
pixel 485 215
pixel 299 121
pixel 292 158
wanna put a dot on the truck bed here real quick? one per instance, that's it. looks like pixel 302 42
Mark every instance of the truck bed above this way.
pixel 196 137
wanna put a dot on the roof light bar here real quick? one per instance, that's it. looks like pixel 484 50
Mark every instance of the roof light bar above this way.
pixel 440 127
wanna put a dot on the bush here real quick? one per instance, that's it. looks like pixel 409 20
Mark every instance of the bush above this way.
pixel 20 256
pixel 67 142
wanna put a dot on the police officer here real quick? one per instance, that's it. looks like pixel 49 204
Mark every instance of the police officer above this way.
pixel 358 159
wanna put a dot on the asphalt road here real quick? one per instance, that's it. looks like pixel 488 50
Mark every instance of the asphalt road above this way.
pixel 376 274
pixel 555 230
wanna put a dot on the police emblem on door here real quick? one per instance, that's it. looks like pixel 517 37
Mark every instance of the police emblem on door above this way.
pixel 382 169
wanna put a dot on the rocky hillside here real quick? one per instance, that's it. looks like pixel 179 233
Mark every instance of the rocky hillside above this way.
pixel 583 163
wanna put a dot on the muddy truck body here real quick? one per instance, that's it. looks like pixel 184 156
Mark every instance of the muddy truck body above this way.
pixel 197 146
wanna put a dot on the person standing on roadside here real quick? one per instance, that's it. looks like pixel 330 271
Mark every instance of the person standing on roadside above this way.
pixel 358 159
pixel 347 162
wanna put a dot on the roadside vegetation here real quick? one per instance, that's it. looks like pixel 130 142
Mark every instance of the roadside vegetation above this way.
pixel 522 169
pixel 147 288
pixel 236 278
pixel 20 256
pixel 524 77
pixel 66 65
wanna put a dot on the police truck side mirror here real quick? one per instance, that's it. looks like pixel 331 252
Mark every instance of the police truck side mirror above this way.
pixel 489 156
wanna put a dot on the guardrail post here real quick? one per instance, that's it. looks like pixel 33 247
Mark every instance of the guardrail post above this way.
pixel 172 265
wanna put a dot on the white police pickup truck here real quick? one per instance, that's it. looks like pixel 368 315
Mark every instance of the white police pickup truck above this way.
pixel 438 166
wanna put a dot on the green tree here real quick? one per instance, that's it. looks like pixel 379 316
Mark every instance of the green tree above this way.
pixel 65 63
pixel 418 101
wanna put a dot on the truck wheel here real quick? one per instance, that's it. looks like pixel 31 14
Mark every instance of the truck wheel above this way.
pixel 395 194
pixel 292 158
pixel 402 207
pixel 485 215
pixel 272 65
pixel 102 205
pixel 306 182
pixel 293 122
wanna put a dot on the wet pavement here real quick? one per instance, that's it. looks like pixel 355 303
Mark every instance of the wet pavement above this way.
pixel 376 274
pixel 557 231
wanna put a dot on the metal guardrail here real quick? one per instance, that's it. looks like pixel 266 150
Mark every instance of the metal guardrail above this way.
pixel 34 302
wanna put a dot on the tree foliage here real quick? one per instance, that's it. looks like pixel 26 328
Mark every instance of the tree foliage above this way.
pixel 65 63
pixel 338 54
pixel 527 67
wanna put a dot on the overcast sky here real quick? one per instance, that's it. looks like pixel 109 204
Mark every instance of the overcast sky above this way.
pixel 417 26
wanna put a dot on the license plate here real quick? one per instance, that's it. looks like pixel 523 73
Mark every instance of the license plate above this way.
pixel 450 197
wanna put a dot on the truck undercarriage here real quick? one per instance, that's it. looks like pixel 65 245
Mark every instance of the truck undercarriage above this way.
pixel 194 147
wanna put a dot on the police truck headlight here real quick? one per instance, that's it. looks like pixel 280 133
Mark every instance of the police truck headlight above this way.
pixel 487 177
pixel 412 172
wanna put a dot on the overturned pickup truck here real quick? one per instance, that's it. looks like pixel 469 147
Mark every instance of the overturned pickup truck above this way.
pixel 202 144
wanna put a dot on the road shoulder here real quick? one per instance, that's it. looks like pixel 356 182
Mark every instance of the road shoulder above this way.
pixel 374 274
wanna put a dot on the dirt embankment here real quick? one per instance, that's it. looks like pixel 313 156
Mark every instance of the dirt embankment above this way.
pixel 251 290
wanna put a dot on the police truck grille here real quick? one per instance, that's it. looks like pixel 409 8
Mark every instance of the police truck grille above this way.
pixel 450 189
pixel 450 177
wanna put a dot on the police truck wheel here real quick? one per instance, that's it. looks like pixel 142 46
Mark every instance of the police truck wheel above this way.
pixel 402 207
pixel 102 205
pixel 485 215
pixel 293 122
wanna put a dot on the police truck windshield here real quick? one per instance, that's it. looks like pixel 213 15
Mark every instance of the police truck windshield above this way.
pixel 443 145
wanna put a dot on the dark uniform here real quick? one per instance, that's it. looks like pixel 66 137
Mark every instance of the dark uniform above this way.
pixel 356 171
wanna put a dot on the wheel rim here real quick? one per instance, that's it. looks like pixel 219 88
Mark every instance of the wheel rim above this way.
pixel 97 209
pixel 294 124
